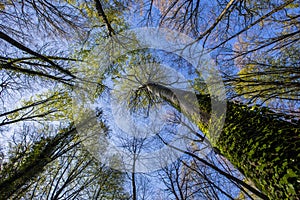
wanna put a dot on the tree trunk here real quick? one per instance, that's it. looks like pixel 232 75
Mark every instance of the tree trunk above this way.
pixel 133 183
pixel 42 153
pixel 265 149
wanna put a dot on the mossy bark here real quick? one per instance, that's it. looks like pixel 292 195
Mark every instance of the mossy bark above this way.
pixel 264 148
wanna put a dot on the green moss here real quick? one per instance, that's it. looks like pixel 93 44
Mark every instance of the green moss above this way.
pixel 264 149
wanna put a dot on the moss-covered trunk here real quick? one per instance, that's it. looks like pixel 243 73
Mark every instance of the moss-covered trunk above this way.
pixel 265 149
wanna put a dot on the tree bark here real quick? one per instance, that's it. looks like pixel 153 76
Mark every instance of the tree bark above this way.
pixel 264 148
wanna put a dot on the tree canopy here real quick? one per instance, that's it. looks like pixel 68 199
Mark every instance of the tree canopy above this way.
pixel 93 106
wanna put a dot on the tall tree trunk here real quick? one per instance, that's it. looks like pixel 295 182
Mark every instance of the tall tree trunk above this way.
pixel 264 148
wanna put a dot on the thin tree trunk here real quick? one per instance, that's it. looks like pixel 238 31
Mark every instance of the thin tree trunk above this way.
pixel 102 14
pixel 134 194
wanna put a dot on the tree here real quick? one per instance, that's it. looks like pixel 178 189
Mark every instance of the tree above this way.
pixel 76 174
pixel 136 87
pixel 134 159
pixel 267 33
pixel 32 162
pixel 55 167
pixel 266 142
pixel 268 145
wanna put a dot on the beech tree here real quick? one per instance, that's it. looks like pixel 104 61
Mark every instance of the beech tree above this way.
pixel 257 38
pixel 258 143
pixel 262 147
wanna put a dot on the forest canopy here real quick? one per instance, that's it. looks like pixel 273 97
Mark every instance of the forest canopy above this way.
pixel 158 99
